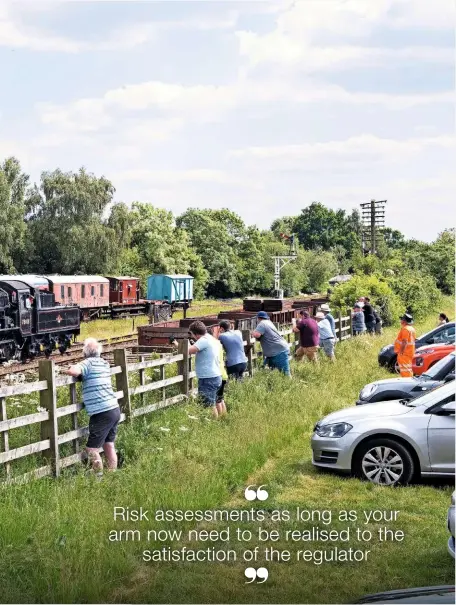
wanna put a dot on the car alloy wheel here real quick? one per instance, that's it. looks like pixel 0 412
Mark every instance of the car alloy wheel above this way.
pixel 383 461
pixel 382 465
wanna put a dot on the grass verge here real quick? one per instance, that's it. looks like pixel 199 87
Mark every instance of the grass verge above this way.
pixel 54 533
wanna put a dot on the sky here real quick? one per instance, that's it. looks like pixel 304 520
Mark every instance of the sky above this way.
pixel 262 107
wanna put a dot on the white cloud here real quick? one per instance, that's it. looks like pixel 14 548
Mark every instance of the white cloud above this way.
pixel 14 34
pixel 420 14
pixel 279 49
pixel 176 178
pixel 303 31
pixel 178 104
pixel 359 150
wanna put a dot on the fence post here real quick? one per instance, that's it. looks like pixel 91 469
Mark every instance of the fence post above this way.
pixel 247 337
pixel 48 400
pixel 142 379
pixel 183 366
pixel 340 326
pixel 4 441
pixel 74 416
pixel 122 382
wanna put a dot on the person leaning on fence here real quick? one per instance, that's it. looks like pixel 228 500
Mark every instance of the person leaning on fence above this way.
pixel 327 311
pixel 220 401
pixel 309 337
pixel 100 403
pixel 404 346
pixel 233 343
pixel 369 317
pixel 358 322
pixel 327 340
pixel 207 365
pixel 275 348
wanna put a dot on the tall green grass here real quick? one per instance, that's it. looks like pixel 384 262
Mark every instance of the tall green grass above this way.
pixel 53 533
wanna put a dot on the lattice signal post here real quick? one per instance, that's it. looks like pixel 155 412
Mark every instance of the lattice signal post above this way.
pixel 281 261
pixel 373 219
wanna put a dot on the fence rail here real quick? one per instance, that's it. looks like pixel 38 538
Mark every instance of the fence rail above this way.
pixel 49 384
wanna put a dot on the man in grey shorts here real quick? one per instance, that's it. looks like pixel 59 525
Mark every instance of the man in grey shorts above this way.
pixel 100 403
pixel 327 339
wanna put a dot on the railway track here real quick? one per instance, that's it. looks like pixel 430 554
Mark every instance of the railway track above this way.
pixel 71 356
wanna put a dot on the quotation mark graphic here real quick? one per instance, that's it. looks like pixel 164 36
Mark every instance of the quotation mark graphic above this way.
pixel 253 574
pixel 255 494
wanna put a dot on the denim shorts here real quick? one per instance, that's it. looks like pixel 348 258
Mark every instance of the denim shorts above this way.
pixel 208 389
pixel 279 362
pixel 328 346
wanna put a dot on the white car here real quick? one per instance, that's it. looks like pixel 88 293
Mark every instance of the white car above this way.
pixel 391 442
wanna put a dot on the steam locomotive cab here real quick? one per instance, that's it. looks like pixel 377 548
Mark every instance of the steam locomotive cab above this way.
pixel 31 323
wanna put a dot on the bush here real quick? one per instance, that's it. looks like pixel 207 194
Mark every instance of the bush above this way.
pixel 382 296
pixel 418 293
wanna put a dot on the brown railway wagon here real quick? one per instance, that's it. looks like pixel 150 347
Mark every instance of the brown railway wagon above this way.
pixel 165 332
pixel 149 336
pixel 208 320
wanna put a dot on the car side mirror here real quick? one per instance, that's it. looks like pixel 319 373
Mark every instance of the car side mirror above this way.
pixel 449 377
pixel 445 410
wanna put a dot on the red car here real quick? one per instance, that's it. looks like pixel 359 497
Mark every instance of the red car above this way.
pixel 427 356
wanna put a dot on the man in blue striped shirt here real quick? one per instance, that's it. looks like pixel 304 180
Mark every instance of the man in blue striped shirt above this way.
pixel 100 403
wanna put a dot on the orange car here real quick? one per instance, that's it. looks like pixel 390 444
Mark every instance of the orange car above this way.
pixel 427 356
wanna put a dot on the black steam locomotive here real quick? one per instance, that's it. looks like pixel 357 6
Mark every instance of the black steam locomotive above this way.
pixel 31 323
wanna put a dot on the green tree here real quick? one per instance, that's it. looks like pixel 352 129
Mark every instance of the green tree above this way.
pixel 13 186
pixel 65 219
pixel 285 225
pixel 320 227
pixel 441 260
pixel 157 245
pixel 216 236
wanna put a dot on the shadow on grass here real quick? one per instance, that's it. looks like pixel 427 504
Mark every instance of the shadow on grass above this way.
pixel 306 467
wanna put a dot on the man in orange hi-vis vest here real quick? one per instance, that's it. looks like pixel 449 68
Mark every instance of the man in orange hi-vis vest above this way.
pixel 404 346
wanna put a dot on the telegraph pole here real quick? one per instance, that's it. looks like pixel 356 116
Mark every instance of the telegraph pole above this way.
pixel 373 219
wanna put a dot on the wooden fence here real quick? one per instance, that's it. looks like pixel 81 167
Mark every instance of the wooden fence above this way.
pixel 50 382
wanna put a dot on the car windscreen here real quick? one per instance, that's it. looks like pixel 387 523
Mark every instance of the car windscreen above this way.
pixel 439 366
pixel 426 394
pixel 441 328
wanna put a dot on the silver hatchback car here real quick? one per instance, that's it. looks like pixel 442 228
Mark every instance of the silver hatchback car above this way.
pixel 391 442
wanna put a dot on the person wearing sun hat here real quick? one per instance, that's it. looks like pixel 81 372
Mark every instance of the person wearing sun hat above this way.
pixel 327 311
pixel 275 348
pixel 404 346
pixel 327 339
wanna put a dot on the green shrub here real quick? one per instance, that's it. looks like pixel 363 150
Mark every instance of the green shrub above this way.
pixel 383 298
pixel 418 293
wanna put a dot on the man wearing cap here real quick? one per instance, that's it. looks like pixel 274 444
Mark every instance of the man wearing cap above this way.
pixel 404 346
pixel 275 348
pixel 327 340
pixel 327 311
